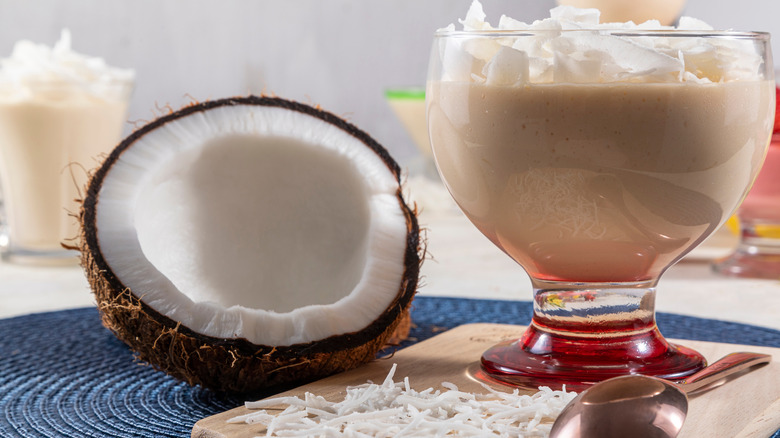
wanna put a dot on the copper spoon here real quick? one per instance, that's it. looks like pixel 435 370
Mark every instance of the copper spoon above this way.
pixel 641 406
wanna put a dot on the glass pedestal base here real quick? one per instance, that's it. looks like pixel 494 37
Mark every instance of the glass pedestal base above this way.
pixel 750 264
pixel 543 358
pixel 744 265
pixel 756 256
pixel 62 257
pixel 583 333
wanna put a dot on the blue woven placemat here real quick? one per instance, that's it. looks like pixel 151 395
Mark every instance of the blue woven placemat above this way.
pixel 63 375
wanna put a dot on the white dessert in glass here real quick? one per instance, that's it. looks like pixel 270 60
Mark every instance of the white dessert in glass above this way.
pixel 59 112
pixel 596 156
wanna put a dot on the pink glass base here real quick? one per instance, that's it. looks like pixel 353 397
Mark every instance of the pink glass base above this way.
pixel 745 265
pixel 755 257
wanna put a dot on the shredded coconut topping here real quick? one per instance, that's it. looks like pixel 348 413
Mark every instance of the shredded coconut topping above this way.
pixel 394 409
pixel 573 45
pixel 33 66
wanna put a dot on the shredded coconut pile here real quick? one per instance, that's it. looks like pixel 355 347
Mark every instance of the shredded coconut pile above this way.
pixel 394 409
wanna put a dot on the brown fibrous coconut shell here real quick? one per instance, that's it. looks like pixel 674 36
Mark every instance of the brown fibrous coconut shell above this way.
pixel 236 365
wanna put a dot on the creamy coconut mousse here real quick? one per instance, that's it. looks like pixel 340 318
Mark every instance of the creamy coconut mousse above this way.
pixel 59 111
pixel 590 155
pixel 596 155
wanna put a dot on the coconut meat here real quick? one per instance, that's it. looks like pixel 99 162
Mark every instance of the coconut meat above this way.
pixel 255 222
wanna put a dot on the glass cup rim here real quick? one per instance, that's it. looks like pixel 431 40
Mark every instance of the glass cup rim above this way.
pixel 666 33
pixel 110 89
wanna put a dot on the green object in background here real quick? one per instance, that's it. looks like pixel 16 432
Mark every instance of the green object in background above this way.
pixel 408 104
pixel 405 93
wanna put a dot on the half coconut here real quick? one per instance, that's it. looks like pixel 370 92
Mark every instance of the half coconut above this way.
pixel 248 242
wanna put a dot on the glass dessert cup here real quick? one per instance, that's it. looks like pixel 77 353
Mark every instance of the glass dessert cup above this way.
pixel 594 186
pixel 758 253
pixel 408 105
pixel 52 133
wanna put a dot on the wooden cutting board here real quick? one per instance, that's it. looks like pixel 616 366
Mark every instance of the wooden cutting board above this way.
pixel 746 407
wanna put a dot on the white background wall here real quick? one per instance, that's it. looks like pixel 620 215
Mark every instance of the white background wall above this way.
pixel 341 54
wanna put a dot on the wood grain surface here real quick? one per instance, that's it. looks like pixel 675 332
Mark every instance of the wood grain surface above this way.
pixel 746 407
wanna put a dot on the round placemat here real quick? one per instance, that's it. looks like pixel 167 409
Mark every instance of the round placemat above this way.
pixel 63 375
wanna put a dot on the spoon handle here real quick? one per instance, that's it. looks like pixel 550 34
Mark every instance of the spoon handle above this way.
pixel 726 366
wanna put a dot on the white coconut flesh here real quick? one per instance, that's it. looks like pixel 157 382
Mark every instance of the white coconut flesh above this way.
pixel 255 222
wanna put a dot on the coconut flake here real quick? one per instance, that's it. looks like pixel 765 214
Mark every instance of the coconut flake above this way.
pixel 593 54
pixel 394 409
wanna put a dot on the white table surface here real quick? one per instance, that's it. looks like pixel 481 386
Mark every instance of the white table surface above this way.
pixel 461 263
